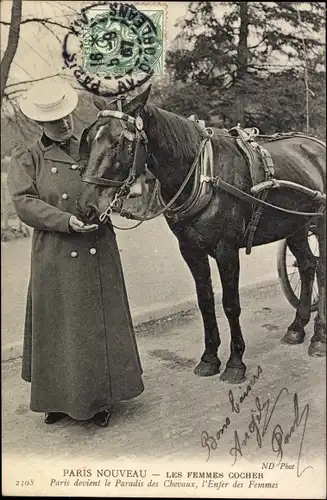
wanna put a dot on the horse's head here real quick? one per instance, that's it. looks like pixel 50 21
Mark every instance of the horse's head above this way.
pixel 116 146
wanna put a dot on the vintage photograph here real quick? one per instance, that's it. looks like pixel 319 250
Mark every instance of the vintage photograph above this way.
pixel 163 240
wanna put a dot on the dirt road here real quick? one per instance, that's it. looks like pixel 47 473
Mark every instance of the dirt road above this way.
pixel 182 419
pixel 157 279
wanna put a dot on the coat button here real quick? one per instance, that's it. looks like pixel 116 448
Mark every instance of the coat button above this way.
pixel 74 167
pixel 54 170
pixel 64 196
pixel 73 254
pixel 93 251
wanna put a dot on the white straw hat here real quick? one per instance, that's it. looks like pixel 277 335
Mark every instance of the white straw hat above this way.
pixel 49 100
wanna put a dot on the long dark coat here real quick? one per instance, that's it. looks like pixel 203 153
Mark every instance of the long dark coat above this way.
pixel 80 352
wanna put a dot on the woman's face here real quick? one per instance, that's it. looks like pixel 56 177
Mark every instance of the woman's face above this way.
pixel 59 130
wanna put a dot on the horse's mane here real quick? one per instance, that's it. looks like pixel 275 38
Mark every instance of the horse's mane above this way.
pixel 175 134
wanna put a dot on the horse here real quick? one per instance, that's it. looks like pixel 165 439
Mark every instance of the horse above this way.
pixel 129 134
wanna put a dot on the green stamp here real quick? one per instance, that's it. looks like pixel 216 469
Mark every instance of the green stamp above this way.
pixel 112 48
pixel 121 40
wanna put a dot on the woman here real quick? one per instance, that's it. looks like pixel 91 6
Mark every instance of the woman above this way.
pixel 80 352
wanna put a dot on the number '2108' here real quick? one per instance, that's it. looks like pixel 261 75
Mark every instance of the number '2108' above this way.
pixel 25 483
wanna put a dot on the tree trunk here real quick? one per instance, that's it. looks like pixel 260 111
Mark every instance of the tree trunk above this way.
pixel 13 38
pixel 242 61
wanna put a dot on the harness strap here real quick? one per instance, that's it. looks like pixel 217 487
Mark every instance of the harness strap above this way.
pixel 129 215
pixel 255 201
pixel 201 192
pixel 252 151
pixel 254 222
pixel 98 181
pixel 274 183
pixel 116 114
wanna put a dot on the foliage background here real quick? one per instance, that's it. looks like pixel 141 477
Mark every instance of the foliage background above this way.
pixel 230 62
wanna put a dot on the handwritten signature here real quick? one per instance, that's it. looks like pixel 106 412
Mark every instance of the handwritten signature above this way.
pixel 259 425
pixel 279 437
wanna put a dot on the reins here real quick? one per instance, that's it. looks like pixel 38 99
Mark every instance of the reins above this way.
pixel 127 214
pixel 140 138
pixel 124 185
pixel 143 218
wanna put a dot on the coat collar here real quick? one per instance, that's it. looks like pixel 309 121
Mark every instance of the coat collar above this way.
pixel 55 153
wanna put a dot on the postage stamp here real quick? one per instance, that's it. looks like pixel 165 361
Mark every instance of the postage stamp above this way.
pixel 151 354
pixel 113 48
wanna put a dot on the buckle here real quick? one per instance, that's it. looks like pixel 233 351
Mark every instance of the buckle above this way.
pixel 139 123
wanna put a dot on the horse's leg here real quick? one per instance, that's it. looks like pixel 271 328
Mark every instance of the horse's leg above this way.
pixel 318 342
pixel 198 262
pixel 300 248
pixel 227 257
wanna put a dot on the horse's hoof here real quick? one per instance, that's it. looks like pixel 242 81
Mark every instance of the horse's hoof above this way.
pixel 317 349
pixel 292 337
pixel 233 375
pixel 205 369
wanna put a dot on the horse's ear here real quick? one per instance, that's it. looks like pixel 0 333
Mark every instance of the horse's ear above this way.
pixel 84 148
pixel 134 106
pixel 99 102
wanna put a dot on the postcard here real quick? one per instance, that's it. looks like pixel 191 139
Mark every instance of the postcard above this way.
pixel 163 189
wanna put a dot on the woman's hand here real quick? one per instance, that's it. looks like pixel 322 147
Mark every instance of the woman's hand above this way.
pixel 79 227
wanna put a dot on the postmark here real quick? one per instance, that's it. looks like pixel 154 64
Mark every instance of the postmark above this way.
pixel 113 47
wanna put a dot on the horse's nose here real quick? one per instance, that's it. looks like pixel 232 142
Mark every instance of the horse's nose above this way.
pixel 90 213
pixel 82 206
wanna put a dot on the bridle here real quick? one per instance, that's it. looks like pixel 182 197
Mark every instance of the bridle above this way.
pixel 137 141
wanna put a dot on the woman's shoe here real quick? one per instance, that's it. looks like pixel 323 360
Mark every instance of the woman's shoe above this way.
pixel 102 418
pixel 53 417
